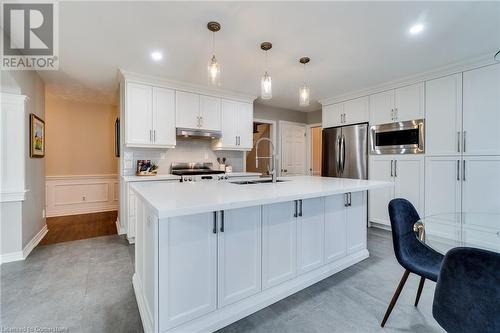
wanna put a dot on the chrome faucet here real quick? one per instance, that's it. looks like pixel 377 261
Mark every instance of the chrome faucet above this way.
pixel 271 167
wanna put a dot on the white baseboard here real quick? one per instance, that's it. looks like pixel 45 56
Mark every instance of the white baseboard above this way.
pixel 119 229
pixel 21 255
pixel 380 225
pixel 146 318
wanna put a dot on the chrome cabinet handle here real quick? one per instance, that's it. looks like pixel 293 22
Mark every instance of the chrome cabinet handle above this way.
pixel 395 168
pixel 295 213
pixel 214 229
pixel 465 140
pixel 458 169
pixel 346 200
pixel 150 139
pixel 350 199
pixel 463 172
pixel 392 166
pixel 458 141
pixel 154 135
pixel 300 207
pixel 221 221
pixel 395 113
pixel 392 114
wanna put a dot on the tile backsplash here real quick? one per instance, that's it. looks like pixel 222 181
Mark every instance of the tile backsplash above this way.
pixel 186 150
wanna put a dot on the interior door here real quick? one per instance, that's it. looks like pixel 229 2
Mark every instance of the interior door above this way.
pixel 354 151
pixel 310 234
pixel 293 149
pixel 381 168
pixel 330 152
pixel 316 146
pixel 481 111
pixel 239 253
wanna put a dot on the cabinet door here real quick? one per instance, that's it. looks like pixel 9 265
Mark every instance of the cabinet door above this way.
pixel 187 109
pixel 481 193
pixel 229 131
pixel 210 113
pixel 132 209
pixel 409 102
pixel 481 114
pixel 381 168
pixel 310 235
pixel 239 251
pixel 332 115
pixel 356 111
pixel 163 117
pixel 443 114
pixel 279 243
pixel 409 180
pixel 245 125
pixel 381 107
pixel 443 196
pixel 138 114
pixel 188 287
pixel 356 222
pixel 335 227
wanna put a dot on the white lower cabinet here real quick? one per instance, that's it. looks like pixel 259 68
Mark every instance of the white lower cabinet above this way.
pixel 356 222
pixel 279 243
pixel 407 174
pixel 310 234
pixel 239 253
pixel 335 227
pixel 188 287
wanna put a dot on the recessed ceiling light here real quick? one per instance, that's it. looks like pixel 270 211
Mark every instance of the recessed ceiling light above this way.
pixel 157 56
pixel 416 29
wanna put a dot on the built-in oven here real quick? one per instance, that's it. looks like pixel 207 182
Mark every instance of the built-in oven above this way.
pixel 405 137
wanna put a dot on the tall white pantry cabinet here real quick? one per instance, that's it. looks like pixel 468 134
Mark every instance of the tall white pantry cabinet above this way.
pixel 463 154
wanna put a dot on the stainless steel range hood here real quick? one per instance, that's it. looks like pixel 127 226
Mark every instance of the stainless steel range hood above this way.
pixel 198 133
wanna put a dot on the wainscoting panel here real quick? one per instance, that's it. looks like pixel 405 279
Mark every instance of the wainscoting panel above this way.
pixel 70 195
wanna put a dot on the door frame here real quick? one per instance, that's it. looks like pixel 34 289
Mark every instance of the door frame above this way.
pixel 281 124
pixel 273 138
pixel 308 145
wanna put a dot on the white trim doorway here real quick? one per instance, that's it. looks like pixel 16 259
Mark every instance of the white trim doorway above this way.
pixel 272 135
pixel 281 125
pixel 309 128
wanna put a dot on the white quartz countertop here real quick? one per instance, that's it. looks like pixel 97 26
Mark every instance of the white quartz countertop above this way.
pixel 150 178
pixel 169 199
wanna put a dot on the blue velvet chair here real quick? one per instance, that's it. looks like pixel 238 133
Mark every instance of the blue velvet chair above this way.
pixel 467 296
pixel 414 256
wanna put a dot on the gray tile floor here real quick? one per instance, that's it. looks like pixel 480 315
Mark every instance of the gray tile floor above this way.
pixel 86 286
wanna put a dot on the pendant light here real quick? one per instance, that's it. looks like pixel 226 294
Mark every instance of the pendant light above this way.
pixel 304 91
pixel 266 86
pixel 213 64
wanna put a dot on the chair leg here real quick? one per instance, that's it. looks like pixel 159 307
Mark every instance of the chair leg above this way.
pixel 395 297
pixel 419 291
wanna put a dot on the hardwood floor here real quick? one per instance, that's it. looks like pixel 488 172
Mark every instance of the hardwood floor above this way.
pixel 74 227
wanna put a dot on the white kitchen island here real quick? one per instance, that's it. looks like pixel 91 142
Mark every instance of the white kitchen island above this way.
pixel 210 253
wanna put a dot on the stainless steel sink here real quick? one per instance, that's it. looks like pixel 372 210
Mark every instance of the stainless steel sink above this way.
pixel 263 181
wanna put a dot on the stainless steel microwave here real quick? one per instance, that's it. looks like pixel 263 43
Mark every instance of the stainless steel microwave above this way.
pixel 405 137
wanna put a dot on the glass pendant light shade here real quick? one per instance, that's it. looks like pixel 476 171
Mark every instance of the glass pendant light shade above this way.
pixel 214 72
pixel 304 93
pixel 266 87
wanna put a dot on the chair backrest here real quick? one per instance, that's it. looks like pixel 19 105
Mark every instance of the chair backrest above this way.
pixel 403 216
pixel 467 296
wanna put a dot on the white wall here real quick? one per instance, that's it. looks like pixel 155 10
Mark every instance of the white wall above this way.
pixel 28 83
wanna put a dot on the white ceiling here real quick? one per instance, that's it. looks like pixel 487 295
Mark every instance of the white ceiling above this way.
pixel 352 45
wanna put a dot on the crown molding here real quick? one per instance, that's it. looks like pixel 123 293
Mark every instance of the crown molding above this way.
pixel 463 66
pixel 127 76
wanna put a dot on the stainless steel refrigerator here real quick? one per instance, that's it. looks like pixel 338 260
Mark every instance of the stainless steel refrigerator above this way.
pixel 345 152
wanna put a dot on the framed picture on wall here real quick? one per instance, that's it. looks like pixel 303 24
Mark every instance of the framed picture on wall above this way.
pixel 37 136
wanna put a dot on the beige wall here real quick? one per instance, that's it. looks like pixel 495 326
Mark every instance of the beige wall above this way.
pixel 80 137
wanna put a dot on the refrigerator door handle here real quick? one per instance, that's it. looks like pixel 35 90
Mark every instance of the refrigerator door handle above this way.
pixel 343 152
pixel 339 142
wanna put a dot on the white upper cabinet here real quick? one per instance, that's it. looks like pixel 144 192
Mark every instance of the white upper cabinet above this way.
pixel 187 110
pixel 443 114
pixel 237 126
pixel 210 113
pixel 481 111
pixel 138 114
pixel 356 111
pixel 149 116
pixel 349 112
pixel 163 116
pixel 409 102
pixel 382 108
pixel 401 104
